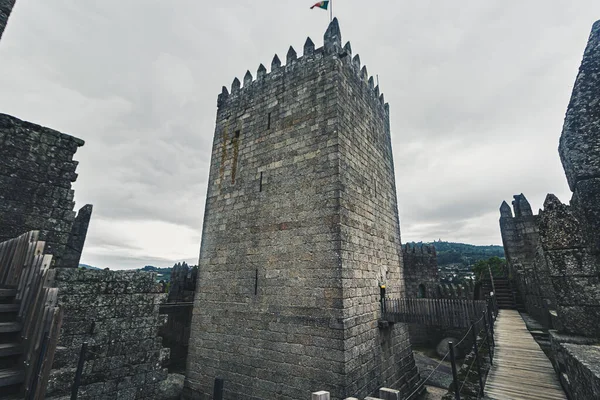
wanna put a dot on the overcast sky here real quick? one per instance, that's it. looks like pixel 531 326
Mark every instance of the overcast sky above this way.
pixel 478 90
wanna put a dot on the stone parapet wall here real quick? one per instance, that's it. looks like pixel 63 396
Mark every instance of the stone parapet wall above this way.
pixel 36 173
pixel 527 265
pixel 577 363
pixel 117 314
pixel 183 283
pixel 77 237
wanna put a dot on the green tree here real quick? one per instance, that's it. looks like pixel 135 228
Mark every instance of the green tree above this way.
pixel 496 264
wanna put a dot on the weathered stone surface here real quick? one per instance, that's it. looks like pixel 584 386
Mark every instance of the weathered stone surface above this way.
pixel 580 140
pixel 77 237
pixel 586 201
pixel 176 332
pixel 116 313
pixel 36 173
pixel 577 362
pixel 521 206
pixel 421 277
pixel 572 262
pixel 389 394
pixel 6 7
pixel 559 226
pixel 527 264
pixel 301 214
pixel 171 388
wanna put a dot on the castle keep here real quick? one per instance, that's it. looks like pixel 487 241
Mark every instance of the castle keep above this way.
pixel 300 229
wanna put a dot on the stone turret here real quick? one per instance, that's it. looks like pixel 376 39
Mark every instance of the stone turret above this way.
pixel 421 275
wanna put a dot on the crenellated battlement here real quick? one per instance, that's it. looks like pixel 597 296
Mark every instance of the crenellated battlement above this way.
pixel 427 249
pixel 331 49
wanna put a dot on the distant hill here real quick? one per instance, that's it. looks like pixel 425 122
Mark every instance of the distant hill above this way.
pixel 88 266
pixel 462 254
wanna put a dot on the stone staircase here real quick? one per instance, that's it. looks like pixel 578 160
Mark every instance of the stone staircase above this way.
pixel 506 296
pixel 12 373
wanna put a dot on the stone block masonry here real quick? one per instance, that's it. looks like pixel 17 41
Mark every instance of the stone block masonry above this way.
pixel 36 173
pixel 6 7
pixel 117 313
pixel 301 225
pixel 528 268
pixel 564 245
pixel 421 275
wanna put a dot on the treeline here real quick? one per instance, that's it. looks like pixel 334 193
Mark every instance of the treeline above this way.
pixel 462 253
pixel 165 273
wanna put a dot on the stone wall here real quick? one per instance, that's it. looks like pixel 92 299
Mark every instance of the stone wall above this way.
pixel 577 362
pixel 183 283
pixel 6 7
pixel 421 275
pixel 77 237
pixel 117 314
pixel 176 332
pixel 528 269
pixel 300 228
pixel 36 173
pixel 567 252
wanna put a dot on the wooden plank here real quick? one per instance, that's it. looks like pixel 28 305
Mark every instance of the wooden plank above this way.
pixel 6 327
pixel 521 370
pixel 54 333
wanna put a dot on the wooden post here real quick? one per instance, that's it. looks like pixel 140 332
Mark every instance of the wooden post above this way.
pixel 38 367
pixel 454 374
pixel 218 389
pixel 477 360
pixel 79 371
pixel 322 395
pixel 493 342
pixel 487 337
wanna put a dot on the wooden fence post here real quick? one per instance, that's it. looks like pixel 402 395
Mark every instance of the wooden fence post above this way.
pixel 487 338
pixel 77 382
pixel 454 374
pixel 477 360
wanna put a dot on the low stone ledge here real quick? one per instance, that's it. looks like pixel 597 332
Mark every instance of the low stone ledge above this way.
pixel 576 359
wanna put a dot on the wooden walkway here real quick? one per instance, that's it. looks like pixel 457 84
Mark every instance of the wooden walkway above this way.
pixel 521 370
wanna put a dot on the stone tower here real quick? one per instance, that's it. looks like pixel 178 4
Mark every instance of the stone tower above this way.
pixel 301 226
pixel 421 274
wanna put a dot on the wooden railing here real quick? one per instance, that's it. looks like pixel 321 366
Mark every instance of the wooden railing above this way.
pixel 435 312
pixel 25 267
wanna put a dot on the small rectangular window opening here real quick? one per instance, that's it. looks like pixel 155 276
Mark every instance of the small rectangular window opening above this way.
pixel 256 283
pixel 260 183
pixel 269 121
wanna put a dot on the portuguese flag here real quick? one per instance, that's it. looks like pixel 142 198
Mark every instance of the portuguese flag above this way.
pixel 321 4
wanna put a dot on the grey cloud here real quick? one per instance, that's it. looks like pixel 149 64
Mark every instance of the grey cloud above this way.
pixel 477 93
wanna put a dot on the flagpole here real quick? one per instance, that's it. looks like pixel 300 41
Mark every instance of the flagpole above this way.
pixel 331 11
